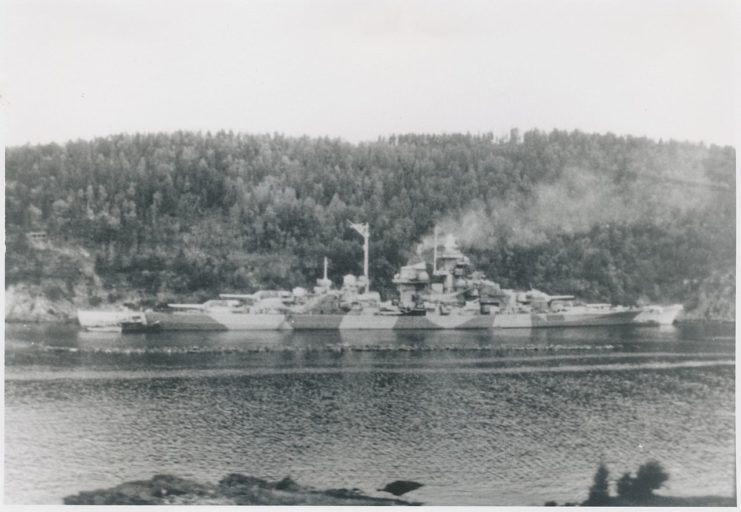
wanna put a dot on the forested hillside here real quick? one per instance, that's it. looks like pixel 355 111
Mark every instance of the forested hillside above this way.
pixel 609 218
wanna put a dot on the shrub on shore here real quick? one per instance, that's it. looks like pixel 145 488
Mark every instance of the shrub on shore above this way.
pixel 630 490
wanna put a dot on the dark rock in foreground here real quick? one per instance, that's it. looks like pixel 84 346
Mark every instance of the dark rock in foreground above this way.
pixel 400 487
pixel 234 489
pixel 673 501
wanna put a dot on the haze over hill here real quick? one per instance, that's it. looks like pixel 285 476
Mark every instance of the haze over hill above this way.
pixel 618 219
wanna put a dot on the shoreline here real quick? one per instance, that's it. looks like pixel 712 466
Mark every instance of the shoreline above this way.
pixel 240 489
pixel 236 489
pixel 73 322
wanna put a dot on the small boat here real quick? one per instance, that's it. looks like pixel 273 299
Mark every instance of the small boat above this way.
pixel 104 321
pixel 140 326
pixel 104 328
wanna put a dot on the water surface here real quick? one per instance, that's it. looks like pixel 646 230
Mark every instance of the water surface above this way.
pixel 481 418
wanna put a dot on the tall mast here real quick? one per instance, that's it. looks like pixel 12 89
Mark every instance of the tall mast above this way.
pixel 434 254
pixel 364 230
pixel 365 259
pixel 325 268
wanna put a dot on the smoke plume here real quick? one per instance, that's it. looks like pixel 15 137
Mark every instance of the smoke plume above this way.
pixel 573 204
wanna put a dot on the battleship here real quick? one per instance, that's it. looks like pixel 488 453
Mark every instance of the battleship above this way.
pixel 446 294
pixel 449 295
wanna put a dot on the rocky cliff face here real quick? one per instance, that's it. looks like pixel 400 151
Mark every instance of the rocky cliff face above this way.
pixel 49 283
pixel 715 299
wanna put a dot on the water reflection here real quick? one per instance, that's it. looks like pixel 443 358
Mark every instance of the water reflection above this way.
pixel 69 336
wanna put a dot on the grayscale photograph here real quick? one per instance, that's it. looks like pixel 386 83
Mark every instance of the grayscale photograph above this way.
pixel 374 252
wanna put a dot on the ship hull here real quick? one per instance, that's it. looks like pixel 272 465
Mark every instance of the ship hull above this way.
pixel 659 315
pixel 564 319
pixel 206 321
pixel 304 322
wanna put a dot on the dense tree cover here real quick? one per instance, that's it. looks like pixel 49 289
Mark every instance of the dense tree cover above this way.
pixel 599 493
pixel 631 491
pixel 650 476
pixel 606 217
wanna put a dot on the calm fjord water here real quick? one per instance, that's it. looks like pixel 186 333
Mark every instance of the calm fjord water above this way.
pixel 481 418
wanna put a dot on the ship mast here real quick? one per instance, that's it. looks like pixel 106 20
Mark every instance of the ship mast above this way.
pixel 364 231
pixel 434 254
